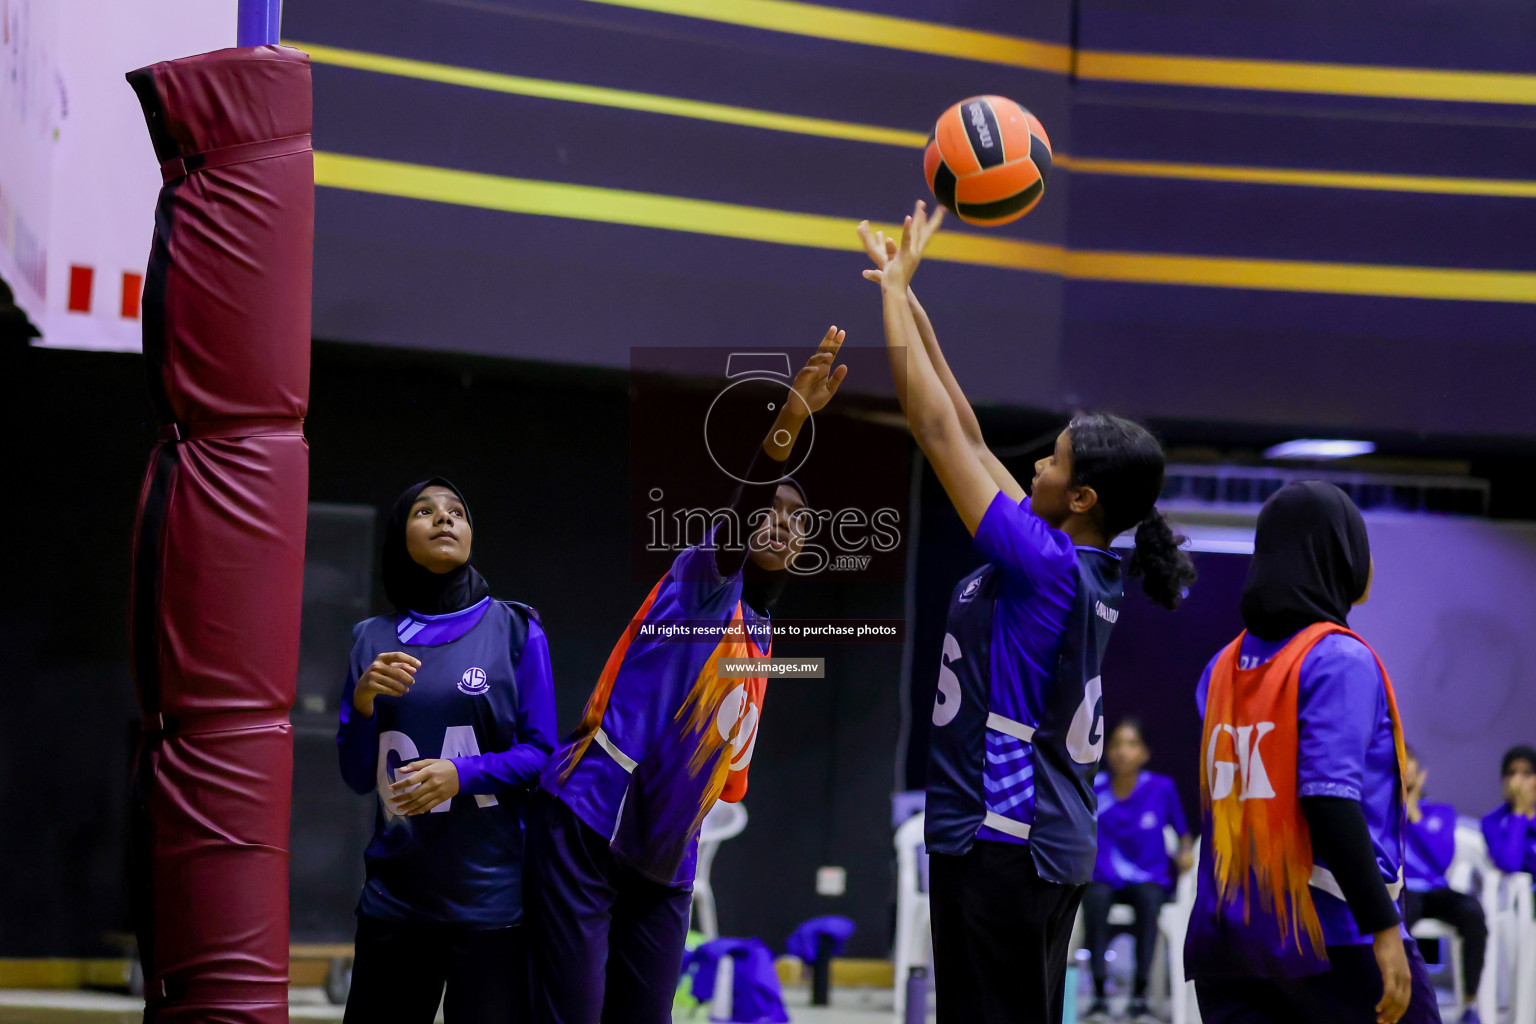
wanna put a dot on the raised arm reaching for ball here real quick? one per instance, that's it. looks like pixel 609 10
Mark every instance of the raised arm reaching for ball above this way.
pixel 881 249
pixel 932 401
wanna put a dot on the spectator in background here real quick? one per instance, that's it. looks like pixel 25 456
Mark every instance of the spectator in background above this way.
pixel 1429 847
pixel 1510 828
pixel 1133 866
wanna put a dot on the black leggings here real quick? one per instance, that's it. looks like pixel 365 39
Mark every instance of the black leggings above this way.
pixel 1146 900
pixel 1463 913
pixel 1000 936
pixel 606 942
pixel 399 972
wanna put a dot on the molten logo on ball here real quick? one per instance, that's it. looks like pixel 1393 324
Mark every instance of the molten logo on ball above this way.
pixel 979 120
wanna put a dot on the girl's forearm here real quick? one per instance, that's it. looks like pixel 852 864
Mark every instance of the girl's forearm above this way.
pixel 969 425
pixel 928 408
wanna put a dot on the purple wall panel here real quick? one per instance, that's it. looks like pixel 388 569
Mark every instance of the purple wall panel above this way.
pixel 404 272
pixel 1451 615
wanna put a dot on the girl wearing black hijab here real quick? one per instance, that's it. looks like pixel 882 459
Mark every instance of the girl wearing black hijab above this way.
pixel 1301 777
pixel 448 714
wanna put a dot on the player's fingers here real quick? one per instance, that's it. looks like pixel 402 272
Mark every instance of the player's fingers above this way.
pixel 423 803
pixel 400 658
pixel 876 276
pixel 418 802
pixel 1394 1001
pixel 382 683
pixel 892 247
pixel 872 243
pixel 865 239
pixel 935 220
pixel 836 378
pixel 833 342
pixel 391 670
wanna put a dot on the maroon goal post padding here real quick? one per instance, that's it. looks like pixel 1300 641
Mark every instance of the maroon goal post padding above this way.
pixel 218 558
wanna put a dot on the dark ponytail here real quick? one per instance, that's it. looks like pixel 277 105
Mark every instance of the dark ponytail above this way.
pixel 1165 569
pixel 1124 465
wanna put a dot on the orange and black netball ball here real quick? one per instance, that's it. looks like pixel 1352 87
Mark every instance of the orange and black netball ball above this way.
pixel 988 160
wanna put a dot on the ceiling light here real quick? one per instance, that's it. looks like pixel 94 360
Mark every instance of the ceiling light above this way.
pixel 1314 448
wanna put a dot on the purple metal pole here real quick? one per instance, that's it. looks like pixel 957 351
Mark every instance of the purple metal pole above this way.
pixel 259 22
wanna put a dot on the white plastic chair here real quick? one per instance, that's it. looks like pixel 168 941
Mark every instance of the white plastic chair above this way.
pixel 1522 899
pixel 1508 901
pixel 721 823
pixel 1167 979
pixel 1172 926
pixel 914 939
pixel 1470 867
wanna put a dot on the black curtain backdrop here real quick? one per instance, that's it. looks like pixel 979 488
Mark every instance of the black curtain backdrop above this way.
pixel 543 455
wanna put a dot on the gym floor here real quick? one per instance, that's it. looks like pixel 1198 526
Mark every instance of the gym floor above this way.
pixel 24 1006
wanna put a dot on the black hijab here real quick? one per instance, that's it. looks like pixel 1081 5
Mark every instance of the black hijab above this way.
pixel 762 588
pixel 1311 561
pixel 411 586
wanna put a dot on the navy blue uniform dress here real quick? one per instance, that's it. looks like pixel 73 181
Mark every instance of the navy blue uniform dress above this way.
pixel 442 901
pixel 1018 732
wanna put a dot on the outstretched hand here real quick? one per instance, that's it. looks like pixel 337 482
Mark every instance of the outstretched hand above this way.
pixel 817 380
pixel 896 262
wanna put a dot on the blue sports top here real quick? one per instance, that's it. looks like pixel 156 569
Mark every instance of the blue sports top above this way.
pixel 1429 847
pixel 1018 720
pixel 1132 847
pixel 1511 839
pixel 662 732
pixel 482 698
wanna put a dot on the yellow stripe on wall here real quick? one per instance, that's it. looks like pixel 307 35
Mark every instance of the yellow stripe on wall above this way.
pixel 1363 180
pixel 1301 77
pixel 653 103
pixel 728 220
pixel 843 25
pixel 623 99
pixel 45 973
pixel 847 26
pixel 1299 276
pixel 648 210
